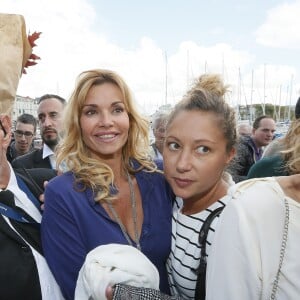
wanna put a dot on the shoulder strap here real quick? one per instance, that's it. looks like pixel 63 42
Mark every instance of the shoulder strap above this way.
pixel 201 271
pixel 282 249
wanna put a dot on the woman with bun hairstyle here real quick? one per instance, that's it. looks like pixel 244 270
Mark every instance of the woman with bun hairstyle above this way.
pixel 199 144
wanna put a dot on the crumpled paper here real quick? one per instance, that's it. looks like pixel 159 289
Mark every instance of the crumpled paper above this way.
pixel 15 50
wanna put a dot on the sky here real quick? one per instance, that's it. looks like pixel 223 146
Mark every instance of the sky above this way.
pixel 159 47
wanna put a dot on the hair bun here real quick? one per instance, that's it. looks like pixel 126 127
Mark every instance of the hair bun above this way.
pixel 211 83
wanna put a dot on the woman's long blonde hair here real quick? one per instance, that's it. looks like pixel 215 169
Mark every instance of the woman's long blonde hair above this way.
pixel 73 152
pixel 291 154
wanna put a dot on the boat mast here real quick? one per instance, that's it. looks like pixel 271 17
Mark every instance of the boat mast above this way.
pixel 166 78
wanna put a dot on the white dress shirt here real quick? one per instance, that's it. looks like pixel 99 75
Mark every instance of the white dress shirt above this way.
pixel 48 152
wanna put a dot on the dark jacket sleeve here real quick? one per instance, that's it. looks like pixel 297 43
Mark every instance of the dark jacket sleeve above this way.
pixel 35 178
pixel 241 163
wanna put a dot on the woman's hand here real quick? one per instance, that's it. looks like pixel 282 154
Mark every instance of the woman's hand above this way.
pixel 5 138
pixel 109 293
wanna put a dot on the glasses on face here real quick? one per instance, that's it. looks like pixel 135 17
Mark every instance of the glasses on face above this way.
pixel 20 133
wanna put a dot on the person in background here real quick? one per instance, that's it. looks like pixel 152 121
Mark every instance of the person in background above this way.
pixel 256 247
pixel 113 191
pixel 200 138
pixel 24 134
pixel 278 144
pixel 244 129
pixel 159 128
pixel 297 109
pixel 24 272
pixel 276 165
pixel 50 116
pixel 250 148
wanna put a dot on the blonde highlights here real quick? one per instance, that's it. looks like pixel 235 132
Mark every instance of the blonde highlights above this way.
pixel 72 151
pixel 291 154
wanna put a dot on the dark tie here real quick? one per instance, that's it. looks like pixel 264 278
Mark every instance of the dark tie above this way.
pixel 29 231
pixel 7 198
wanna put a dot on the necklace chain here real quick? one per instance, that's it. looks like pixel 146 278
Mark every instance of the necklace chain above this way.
pixel 134 216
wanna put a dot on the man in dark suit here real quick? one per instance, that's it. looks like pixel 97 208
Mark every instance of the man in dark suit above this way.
pixel 50 111
pixel 24 273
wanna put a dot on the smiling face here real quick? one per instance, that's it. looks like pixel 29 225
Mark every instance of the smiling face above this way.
pixel 195 154
pixel 104 121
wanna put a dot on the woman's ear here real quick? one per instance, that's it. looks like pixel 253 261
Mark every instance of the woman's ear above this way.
pixel 231 155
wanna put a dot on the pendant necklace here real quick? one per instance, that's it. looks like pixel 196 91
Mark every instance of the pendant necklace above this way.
pixel 134 216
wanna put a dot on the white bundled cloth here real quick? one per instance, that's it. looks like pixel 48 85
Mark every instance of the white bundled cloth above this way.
pixel 111 264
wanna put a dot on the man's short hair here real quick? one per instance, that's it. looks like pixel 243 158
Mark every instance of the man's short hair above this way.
pixel 27 119
pixel 256 122
pixel 48 96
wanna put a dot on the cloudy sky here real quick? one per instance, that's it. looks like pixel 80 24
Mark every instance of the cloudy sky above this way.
pixel 160 46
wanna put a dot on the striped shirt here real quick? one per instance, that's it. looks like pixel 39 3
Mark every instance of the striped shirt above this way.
pixel 185 251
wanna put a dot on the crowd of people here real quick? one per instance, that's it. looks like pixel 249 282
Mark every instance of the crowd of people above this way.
pixel 185 203
pixel 113 190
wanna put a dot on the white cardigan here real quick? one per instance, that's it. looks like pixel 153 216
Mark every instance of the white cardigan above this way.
pixel 245 252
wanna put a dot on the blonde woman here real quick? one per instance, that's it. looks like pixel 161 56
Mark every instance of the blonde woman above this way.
pixel 199 144
pixel 113 192
pixel 256 247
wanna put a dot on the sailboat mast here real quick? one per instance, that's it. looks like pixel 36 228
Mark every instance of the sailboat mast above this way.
pixel 264 103
pixel 291 90
pixel 251 98
pixel 166 78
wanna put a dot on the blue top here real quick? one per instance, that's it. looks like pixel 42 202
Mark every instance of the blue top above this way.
pixel 73 224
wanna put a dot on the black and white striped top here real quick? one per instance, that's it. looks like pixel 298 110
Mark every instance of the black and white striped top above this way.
pixel 185 251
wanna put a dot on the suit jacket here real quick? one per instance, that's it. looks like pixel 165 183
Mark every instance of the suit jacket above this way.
pixel 18 273
pixel 19 278
pixel 35 178
pixel 32 160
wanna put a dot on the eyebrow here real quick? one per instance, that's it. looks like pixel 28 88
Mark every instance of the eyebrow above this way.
pixel 198 141
pixel 113 104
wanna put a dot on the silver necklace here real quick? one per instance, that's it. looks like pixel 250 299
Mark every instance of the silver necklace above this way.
pixel 134 216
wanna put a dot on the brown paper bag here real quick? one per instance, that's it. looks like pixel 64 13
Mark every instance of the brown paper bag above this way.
pixel 14 52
